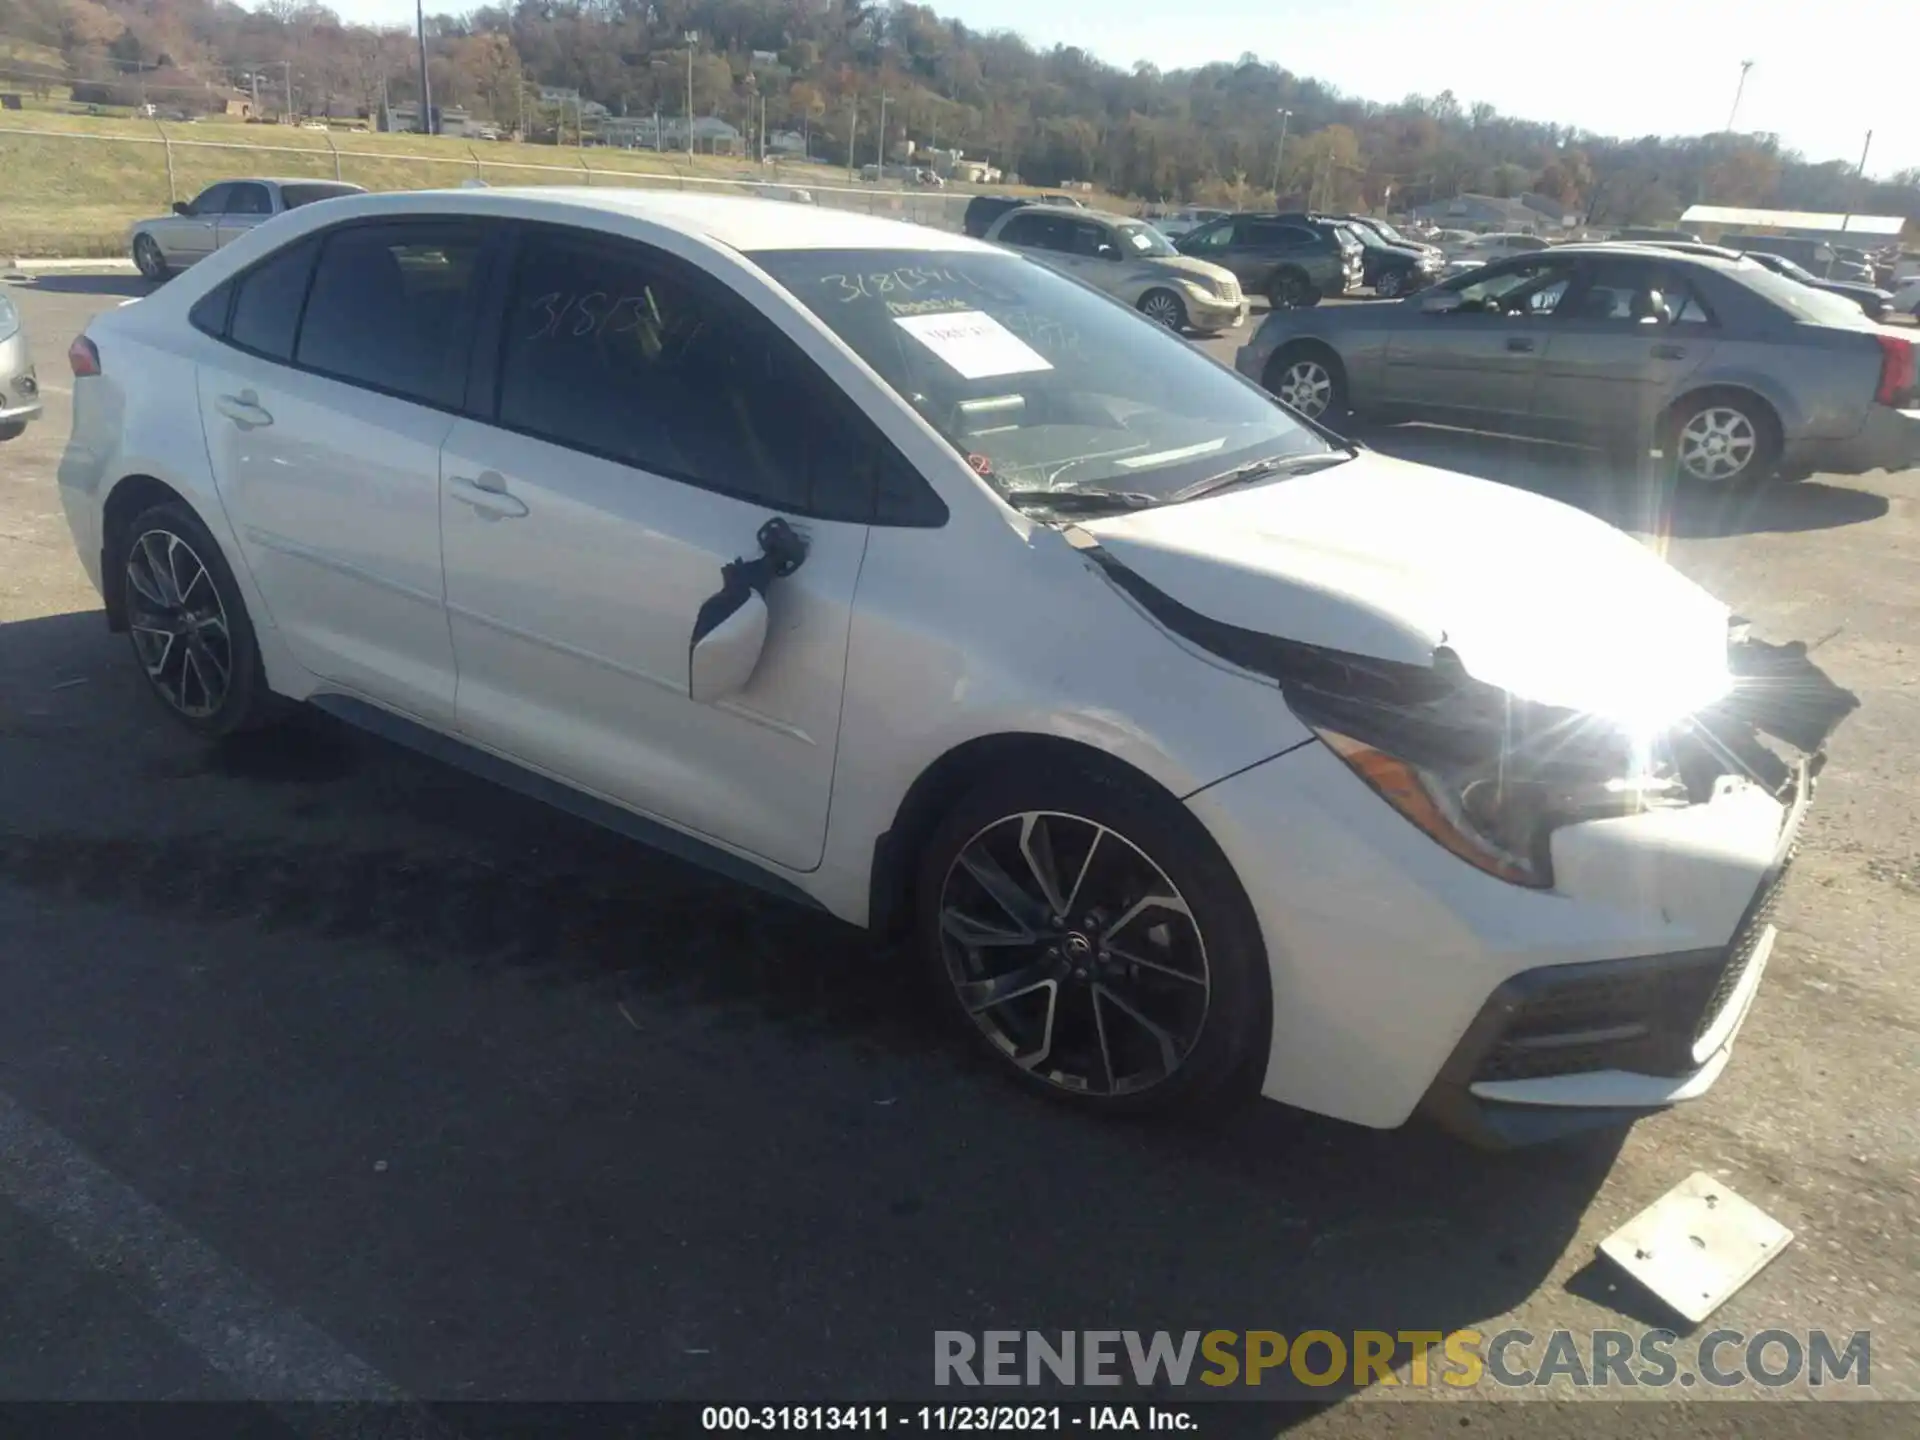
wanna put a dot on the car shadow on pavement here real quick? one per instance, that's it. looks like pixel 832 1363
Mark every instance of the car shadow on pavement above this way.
pixel 112 284
pixel 574 1046
pixel 1644 504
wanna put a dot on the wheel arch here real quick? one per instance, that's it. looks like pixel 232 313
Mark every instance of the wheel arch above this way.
pixel 130 496
pixel 1770 406
pixel 938 787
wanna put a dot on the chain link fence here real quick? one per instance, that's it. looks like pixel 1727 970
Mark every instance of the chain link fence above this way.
pixel 74 193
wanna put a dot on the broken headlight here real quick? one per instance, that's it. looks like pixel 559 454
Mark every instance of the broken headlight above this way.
pixel 1487 776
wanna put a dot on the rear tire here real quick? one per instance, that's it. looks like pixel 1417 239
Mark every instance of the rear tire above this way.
pixel 1720 439
pixel 1389 285
pixel 1087 935
pixel 189 625
pixel 1291 290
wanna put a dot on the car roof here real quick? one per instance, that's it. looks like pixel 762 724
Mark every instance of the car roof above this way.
pixel 1651 249
pixel 740 222
pixel 284 180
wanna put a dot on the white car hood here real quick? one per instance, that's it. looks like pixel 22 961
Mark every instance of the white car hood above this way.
pixel 1391 560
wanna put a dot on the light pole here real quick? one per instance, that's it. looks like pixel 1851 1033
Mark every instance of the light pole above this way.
pixel 880 145
pixel 692 39
pixel 1279 151
pixel 1745 66
pixel 426 96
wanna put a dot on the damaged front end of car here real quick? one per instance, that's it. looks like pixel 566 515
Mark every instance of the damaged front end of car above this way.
pixel 1491 775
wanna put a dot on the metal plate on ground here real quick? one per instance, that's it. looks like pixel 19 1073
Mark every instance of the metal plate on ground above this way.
pixel 1696 1245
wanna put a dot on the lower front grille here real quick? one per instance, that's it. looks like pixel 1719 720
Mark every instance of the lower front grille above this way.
pixel 1610 1015
pixel 1746 941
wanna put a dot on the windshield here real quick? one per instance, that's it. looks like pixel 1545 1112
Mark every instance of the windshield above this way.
pixel 1039 382
pixel 1363 235
pixel 1137 238
pixel 1388 233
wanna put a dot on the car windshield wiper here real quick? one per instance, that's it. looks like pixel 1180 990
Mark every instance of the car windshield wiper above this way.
pixel 1081 501
pixel 1259 470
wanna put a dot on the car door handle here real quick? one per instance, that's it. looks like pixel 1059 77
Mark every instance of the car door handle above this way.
pixel 487 493
pixel 244 410
pixel 1669 352
pixel 1520 344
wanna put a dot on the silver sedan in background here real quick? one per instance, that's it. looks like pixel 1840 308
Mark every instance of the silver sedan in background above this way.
pixel 1730 371
pixel 19 387
pixel 218 215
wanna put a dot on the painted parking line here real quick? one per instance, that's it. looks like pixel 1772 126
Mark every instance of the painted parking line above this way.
pixel 269 1353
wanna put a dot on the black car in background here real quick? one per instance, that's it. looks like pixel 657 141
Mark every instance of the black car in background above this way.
pixel 1392 267
pixel 983 210
pixel 1877 303
pixel 1293 260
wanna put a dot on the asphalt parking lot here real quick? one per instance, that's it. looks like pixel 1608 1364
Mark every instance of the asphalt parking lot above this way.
pixel 324 1066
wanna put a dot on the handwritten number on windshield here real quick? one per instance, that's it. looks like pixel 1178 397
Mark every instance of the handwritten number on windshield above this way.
pixel 876 284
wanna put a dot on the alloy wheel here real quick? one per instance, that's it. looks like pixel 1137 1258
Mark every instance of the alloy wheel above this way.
pixel 146 256
pixel 179 624
pixel 1074 953
pixel 1306 386
pixel 1718 444
pixel 1388 285
pixel 1162 309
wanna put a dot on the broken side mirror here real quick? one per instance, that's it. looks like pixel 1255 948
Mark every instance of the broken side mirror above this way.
pixel 731 629
pixel 1439 302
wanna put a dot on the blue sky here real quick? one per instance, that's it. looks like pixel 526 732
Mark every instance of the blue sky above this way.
pixel 1822 77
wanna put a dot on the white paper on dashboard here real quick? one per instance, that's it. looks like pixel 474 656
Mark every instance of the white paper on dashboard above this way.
pixel 974 343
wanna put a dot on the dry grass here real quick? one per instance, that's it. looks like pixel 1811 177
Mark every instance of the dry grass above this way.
pixel 72 184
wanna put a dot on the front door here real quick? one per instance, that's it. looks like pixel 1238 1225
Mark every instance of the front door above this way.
pixel 649 423
pixel 1477 364
pixel 325 428
pixel 1627 336
pixel 248 203
pixel 192 236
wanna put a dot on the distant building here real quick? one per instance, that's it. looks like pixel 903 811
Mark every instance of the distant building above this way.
pixel 403 117
pixel 786 142
pixel 711 134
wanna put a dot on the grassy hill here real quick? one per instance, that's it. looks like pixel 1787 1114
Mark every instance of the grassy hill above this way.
pixel 75 182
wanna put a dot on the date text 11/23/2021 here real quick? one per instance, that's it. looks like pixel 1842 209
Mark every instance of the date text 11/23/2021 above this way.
pixel 878 1419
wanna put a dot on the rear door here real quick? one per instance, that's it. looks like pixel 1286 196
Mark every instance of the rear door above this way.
pixel 1478 364
pixel 1623 343
pixel 346 358
pixel 1226 244
pixel 248 203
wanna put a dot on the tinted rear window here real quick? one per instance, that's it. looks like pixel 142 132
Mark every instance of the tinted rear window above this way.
pixel 266 310
pixel 298 195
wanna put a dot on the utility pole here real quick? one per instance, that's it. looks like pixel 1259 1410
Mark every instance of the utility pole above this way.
pixel 692 39
pixel 1279 151
pixel 880 145
pixel 763 129
pixel 853 130
pixel 1862 170
pixel 426 96
pixel 1745 66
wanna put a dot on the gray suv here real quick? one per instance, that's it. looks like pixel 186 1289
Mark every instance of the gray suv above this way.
pixel 1732 371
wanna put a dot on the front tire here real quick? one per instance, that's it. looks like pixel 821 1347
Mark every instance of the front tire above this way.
pixel 147 258
pixel 1163 307
pixel 1389 285
pixel 1087 934
pixel 189 625
pixel 1307 378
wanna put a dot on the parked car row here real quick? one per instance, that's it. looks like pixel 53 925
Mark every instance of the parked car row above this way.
pixel 19 385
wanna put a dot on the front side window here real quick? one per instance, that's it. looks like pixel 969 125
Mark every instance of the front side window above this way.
pixel 1039 383
pixel 1029 229
pixel 1535 287
pixel 1219 237
pixel 391 308
pixel 211 201
pixel 247 199
pixel 613 349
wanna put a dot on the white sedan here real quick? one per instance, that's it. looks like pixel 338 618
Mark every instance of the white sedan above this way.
pixel 1196 751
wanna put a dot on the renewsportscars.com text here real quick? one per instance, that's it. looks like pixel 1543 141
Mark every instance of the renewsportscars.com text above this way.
pixel 1460 1359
